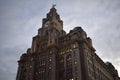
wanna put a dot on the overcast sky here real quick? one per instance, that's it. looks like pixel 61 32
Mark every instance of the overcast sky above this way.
pixel 20 20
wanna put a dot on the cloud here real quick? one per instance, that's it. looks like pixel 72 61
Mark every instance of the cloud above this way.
pixel 8 61
pixel 4 73
pixel 19 21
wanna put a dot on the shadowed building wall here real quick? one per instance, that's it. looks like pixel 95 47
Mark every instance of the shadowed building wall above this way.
pixel 55 55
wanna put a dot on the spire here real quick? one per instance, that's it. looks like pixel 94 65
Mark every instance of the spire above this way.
pixel 53 11
pixel 53 6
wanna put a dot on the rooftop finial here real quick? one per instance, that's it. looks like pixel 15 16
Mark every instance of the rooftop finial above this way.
pixel 53 6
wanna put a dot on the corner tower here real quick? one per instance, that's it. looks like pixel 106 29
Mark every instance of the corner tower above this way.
pixel 52 29
pixel 40 61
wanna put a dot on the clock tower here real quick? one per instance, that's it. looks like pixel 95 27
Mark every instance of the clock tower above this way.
pixel 53 20
pixel 52 27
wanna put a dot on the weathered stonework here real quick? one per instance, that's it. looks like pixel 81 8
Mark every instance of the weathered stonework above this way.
pixel 55 55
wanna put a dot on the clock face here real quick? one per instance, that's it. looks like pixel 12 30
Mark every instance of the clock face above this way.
pixel 47 23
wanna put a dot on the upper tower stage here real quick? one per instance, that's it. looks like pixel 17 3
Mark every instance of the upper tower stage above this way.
pixel 53 20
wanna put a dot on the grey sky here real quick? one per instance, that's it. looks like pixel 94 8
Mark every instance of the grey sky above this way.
pixel 20 20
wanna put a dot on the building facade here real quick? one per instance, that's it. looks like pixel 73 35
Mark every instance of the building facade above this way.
pixel 57 55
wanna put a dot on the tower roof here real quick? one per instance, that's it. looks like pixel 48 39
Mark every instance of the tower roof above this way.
pixel 53 13
pixel 53 19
